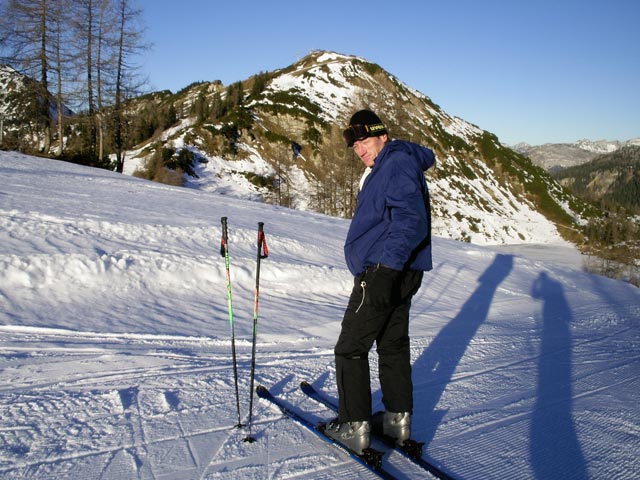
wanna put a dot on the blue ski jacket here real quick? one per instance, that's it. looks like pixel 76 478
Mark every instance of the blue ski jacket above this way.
pixel 391 224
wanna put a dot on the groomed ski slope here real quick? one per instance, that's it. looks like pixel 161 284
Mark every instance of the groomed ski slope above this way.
pixel 115 343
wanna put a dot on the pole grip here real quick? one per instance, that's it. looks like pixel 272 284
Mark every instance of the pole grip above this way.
pixel 224 228
pixel 225 237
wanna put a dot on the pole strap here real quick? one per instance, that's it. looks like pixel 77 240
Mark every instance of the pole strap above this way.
pixel 263 250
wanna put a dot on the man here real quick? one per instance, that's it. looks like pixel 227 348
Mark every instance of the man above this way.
pixel 387 249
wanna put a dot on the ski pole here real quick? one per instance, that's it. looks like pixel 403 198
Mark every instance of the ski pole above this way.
pixel 224 251
pixel 263 252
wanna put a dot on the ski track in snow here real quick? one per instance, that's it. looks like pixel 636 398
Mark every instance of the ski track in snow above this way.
pixel 115 351
pixel 113 401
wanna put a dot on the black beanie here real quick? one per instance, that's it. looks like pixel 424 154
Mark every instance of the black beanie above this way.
pixel 367 117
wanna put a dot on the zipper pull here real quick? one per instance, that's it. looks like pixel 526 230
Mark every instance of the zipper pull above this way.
pixel 363 284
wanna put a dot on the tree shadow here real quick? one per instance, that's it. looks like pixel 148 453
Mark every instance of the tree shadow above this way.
pixel 555 451
pixel 433 370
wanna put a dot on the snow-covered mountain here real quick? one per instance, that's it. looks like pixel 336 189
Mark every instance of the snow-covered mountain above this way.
pixel 10 82
pixel 16 104
pixel 115 351
pixel 482 191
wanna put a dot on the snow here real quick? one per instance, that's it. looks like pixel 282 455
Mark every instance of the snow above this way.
pixel 324 84
pixel 494 216
pixel 115 342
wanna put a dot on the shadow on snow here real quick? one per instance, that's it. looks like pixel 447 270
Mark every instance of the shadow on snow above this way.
pixel 554 447
pixel 434 369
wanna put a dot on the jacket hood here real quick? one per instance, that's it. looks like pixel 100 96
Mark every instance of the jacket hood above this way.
pixel 425 156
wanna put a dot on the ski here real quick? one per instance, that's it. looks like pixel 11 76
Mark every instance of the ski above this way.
pixel 412 450
pixel 371 459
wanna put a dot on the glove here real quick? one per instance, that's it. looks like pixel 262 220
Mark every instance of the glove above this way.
pixel 382 286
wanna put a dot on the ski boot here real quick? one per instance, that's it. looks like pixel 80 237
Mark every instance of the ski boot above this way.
pixel 397 426
pixel 393 426
pixel 395 430
pixel 356 436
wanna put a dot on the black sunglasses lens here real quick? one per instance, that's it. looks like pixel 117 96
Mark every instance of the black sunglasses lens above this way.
pixel 349 137
pixel 354 133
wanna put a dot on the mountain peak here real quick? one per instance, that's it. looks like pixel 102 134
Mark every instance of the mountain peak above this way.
pixel 483 192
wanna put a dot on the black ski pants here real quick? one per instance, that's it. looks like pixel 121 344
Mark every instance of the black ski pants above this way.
pixel 363 325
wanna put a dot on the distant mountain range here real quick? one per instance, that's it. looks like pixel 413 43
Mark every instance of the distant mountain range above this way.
pixel 554 156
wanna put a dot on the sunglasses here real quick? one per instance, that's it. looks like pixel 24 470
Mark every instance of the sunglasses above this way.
pixel 353 133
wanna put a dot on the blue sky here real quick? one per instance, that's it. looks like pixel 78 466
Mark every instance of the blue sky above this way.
pixel 546 71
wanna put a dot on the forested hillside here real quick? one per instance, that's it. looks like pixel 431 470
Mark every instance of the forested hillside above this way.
pixel 612 179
